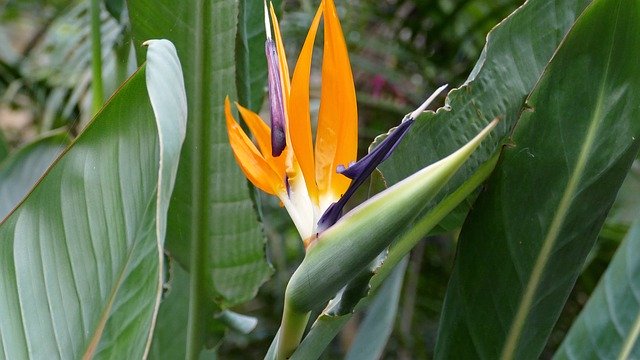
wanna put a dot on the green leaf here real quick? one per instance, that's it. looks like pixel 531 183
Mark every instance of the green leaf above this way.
pixel 170 333
pixel 324 329
pixel 80 270
pixel 609 325
pixel 22 169
pixel 377 326
pixel 527 237
pixel 516 53
pixel 213 229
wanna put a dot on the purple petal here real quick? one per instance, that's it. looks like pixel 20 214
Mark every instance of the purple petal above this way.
pixel 360 171
pixel 278 137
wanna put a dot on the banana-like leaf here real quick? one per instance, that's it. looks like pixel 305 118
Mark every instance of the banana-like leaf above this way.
pixel 609 325
pixel 516 53
pixel 20 171
pixel 213 229
pixel 527 237
pixel 80 257
pixel 169 337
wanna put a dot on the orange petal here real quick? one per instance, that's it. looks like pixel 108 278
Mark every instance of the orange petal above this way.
pixel 262 133
pixel 299 117
pixel 337 135
pixel 252 163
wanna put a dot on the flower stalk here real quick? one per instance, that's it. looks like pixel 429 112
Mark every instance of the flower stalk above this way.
pixel 291 330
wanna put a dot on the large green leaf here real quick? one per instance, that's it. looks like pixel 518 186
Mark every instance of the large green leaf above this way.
pixel 20 171
pixel 80 257
pixel 213 231
pixel 169 337
pixel 609 325
pixel 527 237
pixel 517 51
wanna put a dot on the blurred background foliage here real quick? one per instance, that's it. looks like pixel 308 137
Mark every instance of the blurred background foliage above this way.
pixel 400 51
pixel 45 65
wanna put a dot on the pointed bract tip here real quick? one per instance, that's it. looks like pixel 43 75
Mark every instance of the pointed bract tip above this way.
pixel 427 102
pixel 267 23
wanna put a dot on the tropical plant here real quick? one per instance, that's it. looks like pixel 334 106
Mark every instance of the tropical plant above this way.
pixel 149 234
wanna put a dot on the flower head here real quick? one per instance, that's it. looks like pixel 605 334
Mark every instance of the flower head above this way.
pixel 310 178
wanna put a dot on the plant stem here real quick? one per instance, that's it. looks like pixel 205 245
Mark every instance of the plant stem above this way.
pixel 291 330
pixel 96 58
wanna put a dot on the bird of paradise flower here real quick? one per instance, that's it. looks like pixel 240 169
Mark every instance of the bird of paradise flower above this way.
pixel 313 183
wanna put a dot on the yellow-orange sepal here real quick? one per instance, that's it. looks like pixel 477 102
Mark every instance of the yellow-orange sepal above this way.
pixel 253 164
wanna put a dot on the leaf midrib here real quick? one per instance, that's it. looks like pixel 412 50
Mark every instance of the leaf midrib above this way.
pixel 200 185
pixel 513 336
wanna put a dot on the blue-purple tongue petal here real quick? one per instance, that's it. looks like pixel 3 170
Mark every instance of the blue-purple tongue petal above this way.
pixel 361 170
pixel 278 137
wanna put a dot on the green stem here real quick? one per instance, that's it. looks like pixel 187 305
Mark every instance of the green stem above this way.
pixel 422 227
pixel 96 58
pixel 291 330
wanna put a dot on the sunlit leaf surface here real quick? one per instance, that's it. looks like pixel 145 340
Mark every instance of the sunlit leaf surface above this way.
pixel 79 258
